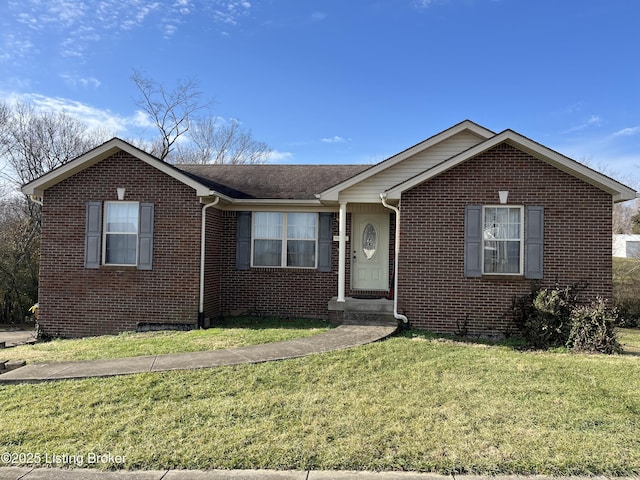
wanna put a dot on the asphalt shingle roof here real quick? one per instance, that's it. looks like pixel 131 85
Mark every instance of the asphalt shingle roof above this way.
pixel 290 182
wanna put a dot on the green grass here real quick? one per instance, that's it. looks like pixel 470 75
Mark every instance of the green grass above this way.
pixel 411 402
pixel 629 338
pixel 236 332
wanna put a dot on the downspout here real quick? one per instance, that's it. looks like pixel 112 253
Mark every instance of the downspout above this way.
pixel 203 236
pixel 35 200
pixel 397 316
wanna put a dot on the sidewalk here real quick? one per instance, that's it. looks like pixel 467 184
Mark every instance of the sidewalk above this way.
pixel 344 336
pixel 14 473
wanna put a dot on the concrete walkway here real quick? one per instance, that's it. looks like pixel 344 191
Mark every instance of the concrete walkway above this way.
pixel 344 336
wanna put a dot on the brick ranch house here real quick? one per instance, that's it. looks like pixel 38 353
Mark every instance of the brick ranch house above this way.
pixel 447 231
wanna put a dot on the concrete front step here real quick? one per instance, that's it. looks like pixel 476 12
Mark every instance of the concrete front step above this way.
pixel 363 311
pixel 368 318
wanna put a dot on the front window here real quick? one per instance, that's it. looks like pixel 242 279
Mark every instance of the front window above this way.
pixel 502 240
pixel 285 239
pixel 121 233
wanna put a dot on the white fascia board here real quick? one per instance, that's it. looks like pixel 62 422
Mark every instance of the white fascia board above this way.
pixel 619 191
pixel 332 194
pixel 277 204
pixel 38 186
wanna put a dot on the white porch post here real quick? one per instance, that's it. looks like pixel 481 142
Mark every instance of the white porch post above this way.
pixel 342 250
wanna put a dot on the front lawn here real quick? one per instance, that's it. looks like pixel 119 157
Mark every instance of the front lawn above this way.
pixel 411 402
pixel 231 333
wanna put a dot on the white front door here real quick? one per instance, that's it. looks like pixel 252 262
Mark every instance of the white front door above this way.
pixel 370 252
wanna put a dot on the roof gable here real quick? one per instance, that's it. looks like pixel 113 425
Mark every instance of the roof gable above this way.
pixel 333 193
pixel 619 191
pixel 38 186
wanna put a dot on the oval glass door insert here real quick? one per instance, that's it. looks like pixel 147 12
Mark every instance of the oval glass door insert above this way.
pixel 369 241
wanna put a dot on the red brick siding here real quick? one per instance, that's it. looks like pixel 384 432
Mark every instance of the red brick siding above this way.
pixel 433 290
pixel 75 301
pixel 286 292
pixel 214 251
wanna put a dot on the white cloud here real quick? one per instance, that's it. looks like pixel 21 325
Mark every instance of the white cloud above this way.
pixel 75 81
pixel 334 139
pixel 142 119
pixel 627 132
pixel 276 156
pixel 94 118
pixel 592 121
pixel 230 11
pixel 16 47
pixel 73 26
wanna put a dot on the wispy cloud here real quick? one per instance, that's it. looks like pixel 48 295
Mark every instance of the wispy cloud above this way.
pixel 334 139
pixel 627 132
pixel 230 11
pixel 15 47
pixel 592 121
pixel 94 118
pixel 71 26
pixel 79 81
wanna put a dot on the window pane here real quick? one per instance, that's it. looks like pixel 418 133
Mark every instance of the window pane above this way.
pixel 301 253
pixel 121 249
pixel 502 240
pixel 122 217
pixel 513 231
pixel 502 257
pixel 267 253
pixel 301 225
pixel 267 225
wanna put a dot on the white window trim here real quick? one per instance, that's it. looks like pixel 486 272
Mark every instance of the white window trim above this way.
pixel 284 239
pixel 105 233
pixel 520 272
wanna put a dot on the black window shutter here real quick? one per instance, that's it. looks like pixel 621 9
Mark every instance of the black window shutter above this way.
pixel 243 241
pixel 93 235
pixel 325 236
pixel 473 241
pixel 145 237
pixel 534 242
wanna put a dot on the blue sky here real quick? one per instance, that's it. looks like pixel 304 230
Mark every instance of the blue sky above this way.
pixel 345 81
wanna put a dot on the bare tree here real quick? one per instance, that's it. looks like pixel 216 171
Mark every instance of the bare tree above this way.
pixel 625 217
pixel 34 142
pixel 170 110
pixel 217 141
pixel 203 139
pixel 19 251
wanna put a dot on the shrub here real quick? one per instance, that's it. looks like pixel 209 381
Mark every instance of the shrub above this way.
pixel 593 329
pixel 628 312
pixel 543 316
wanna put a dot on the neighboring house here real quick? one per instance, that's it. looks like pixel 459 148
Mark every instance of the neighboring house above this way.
pixel 127 238
pixel 626 246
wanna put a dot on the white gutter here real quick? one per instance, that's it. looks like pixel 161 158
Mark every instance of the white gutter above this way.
pixel 397 316
pixel 203 236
